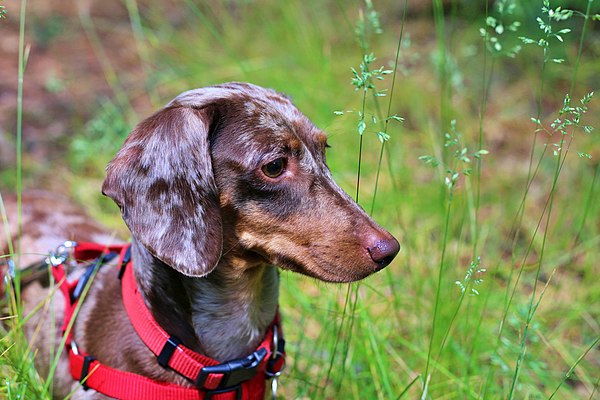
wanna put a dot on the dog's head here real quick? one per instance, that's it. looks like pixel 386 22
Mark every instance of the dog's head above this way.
pixel 237 168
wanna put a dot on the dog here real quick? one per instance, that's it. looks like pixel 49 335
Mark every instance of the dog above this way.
pixel 219 189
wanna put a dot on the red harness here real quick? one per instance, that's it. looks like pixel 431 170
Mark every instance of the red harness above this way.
pixel 237 379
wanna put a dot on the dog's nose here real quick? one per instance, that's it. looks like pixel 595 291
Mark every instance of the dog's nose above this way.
pixel 384 251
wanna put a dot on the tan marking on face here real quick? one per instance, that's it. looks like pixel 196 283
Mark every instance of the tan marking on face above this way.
pixel 321 138
pixel 294 143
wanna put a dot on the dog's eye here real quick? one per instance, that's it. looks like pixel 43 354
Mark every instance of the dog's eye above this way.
pixel 275 168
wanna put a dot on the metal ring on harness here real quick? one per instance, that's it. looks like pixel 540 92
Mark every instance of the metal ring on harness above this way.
pixel 61 254
pixel 7 275
pixel 277 353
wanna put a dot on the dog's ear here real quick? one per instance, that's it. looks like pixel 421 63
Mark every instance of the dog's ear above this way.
pixel 162 179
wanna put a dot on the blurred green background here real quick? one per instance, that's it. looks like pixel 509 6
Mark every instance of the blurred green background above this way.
pixel 494 294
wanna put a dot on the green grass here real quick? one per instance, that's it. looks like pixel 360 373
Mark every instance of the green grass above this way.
pixel 494 293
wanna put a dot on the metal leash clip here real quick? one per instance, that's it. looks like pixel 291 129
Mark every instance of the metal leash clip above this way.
pixel 61 254
pixel 278 352
pixel 11 269
pixel 7 275
pixel 74 347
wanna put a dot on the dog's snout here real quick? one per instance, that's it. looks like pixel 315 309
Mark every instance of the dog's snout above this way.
pixel 383 251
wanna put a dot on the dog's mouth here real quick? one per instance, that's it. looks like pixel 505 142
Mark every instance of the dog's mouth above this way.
pixel 320 269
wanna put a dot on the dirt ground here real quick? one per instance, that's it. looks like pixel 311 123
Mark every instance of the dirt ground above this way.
pixel 64 77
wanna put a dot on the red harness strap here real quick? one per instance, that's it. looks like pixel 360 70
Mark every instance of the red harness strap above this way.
pixel 82 251
pixel 237 379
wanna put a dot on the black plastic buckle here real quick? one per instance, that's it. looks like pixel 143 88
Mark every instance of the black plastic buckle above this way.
pixel 234 373
pixel 85 370
pixel 126 259
pixel 91 269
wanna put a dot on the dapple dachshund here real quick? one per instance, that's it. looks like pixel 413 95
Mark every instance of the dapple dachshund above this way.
pixel 219 189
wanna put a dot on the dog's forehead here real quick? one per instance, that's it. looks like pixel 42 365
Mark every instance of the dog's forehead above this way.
pixel 280 125
pixel 280 120
pixel 273 113
pixel 254 99
pixel 261 117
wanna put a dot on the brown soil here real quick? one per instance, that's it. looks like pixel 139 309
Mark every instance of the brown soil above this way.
pixel 64 77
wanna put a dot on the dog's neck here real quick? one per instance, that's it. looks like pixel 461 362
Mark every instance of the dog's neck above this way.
pixel 223 315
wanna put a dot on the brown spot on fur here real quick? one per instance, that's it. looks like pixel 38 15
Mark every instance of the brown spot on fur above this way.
pixel 157 190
